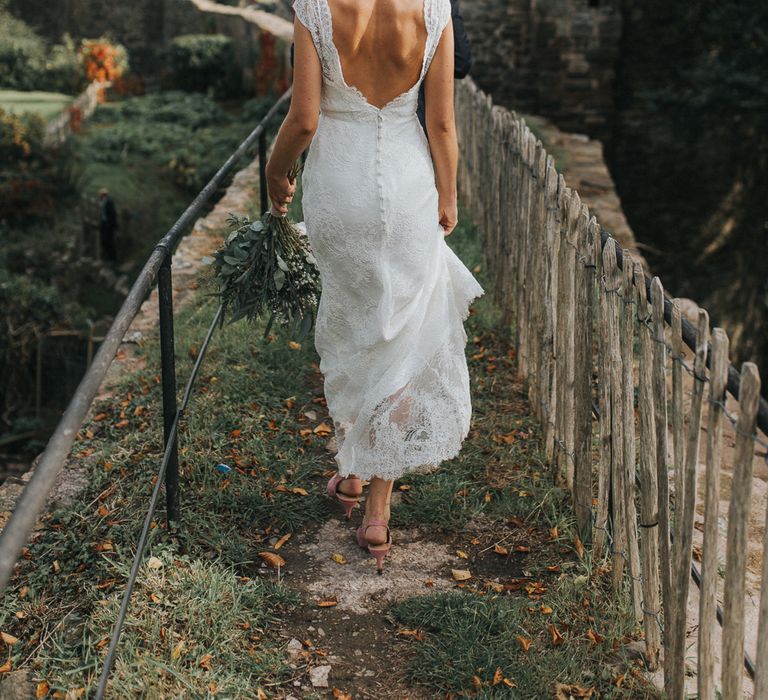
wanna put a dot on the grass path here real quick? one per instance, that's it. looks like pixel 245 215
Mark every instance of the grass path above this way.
pixel 484 594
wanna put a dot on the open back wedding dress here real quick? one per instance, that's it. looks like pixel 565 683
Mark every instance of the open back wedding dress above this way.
pixel 389 330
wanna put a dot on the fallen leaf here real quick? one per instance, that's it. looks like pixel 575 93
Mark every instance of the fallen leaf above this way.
pixel 23 591
pixel 9 638
pixel 56 567
pixel 487 497
pixel 462 554
pixel 404 487
pixel 522 548
pixel 322 429
pixel 304 432
pixel 594 637
pixel 154 563
pixel 500 550
pixel 121 424
pixel 104 547
pixel 416 634
pixel 42 689
pixel 341 695
pixel 236 433
pixel 460 574
pixel 554 635
pixel 338 558
pixel 176 653
pixel 567 692
pixel 509 683
pixel 300 491
pixel 327 602
pixel 524 642
pixel 553 534
pixel 579 547
pixel 99 417
pixel 293 345
pixel 545 610
pixel 498 676
pixel 272 559
pixel 103 511
pixel 282 540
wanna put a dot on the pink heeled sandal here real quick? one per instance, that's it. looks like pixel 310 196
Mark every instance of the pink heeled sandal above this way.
pixel 347 502
pixel 379 551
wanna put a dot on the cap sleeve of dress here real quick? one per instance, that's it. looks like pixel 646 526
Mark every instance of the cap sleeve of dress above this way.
pixel 307 13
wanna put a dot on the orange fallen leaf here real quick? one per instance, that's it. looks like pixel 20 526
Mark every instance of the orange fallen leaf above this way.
pixel 103 511
pixel 322 429
pixel 509 683
pixel 42 689
pixel 416 634
pixel 327 602
pixel 522 548
pixel 577 543
pixel 236 433
pixel 500 550
pixel 594 637
pixel 340 694
pixel 6 667
pixel 205 662
pixel 545 610
pixel 99 417
pixel 498 676
pixel 462 554
pixel 282 540
pixel 177 650
pixel 405 487
pixel 121 424
pixel 477 682
pixel 339 558
pixel 460 574
pixel 524 642
pixel 272 559
pixel 9 639
pixel 304 432
pixel 293 345
pixel 300 491
pixel 554 635
pixel 553 534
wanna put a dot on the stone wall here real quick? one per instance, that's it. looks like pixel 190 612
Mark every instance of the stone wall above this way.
pixel 550 57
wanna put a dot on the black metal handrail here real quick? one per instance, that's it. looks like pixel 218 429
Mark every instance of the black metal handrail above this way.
pixel 32 500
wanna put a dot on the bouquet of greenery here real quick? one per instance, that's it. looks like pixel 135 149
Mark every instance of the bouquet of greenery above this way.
pixel 267 267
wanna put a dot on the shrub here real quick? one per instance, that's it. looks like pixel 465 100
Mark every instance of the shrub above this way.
pixel 30 309
pixel 22 54
pixel 64 68
pixel 204 62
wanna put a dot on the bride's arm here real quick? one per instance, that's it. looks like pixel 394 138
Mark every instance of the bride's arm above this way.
pixel 441 128
pixel 300 123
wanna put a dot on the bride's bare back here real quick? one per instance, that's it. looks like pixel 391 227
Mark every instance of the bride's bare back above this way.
pixel 381 45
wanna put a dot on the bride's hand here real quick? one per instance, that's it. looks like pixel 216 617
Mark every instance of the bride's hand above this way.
pixel 448 212
pixel 281 191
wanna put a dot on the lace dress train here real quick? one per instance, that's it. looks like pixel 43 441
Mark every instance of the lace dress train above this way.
pixel 389 332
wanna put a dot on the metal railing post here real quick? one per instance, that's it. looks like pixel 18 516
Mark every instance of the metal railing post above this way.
pixel 168 365
pixel 262 170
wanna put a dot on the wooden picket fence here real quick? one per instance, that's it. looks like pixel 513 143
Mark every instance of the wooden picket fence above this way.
pixel 596 339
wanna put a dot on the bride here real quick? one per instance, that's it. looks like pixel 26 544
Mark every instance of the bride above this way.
pixel 379 200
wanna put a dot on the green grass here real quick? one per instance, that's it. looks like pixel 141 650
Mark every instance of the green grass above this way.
pixel 46 104
pixel 470 639
pixel 201 590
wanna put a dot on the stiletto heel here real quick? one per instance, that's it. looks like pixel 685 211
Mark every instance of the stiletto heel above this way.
pixel 379 551
pixel 347 502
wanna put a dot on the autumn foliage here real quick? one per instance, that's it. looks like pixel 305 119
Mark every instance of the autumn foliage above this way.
pixel 103 61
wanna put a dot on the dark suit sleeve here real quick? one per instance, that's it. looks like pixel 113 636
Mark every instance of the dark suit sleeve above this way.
pixel 463 53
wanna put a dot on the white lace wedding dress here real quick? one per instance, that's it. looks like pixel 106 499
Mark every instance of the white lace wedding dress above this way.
pixel 389 329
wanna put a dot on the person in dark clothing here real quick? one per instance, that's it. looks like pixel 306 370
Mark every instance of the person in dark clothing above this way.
pixel 462 56
pixel 107 226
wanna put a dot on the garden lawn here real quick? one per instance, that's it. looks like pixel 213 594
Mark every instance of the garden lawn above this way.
pixel 45 104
